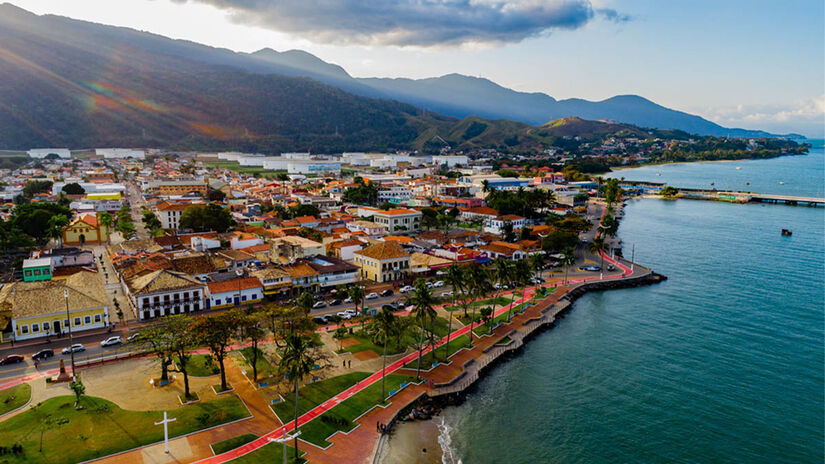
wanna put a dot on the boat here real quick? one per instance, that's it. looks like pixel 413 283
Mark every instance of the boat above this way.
pixel 787 232
pixel 738 167
pixel 781 183
pixel 747 183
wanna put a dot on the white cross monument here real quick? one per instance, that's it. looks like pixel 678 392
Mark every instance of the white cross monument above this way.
pixel 165 423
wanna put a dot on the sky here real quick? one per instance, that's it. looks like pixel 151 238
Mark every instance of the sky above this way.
pixel 755 64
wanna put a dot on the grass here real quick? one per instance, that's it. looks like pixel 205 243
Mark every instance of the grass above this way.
pixel 102 428
pixel 269 454
pixel 410 339
pixel 218 389
pixel 14 397
pixel 232 443
pixel 201 365
pixel 428 359
pixel 265 368
pixel 485 328
pixel 316 393
pixel 504 341
pixel 341 417
pixel 500 301
pixel 235 167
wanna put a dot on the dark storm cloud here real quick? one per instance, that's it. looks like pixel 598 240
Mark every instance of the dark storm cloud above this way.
pixel 412 22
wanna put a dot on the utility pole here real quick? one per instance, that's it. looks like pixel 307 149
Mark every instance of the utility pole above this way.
pixel 165 423
pixel 283 440
pixel 69 325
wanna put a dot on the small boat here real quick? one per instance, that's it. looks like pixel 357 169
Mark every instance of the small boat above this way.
pixel 787 232
pixel 738 168
pixel 712 183
pixel 781 183
pixel 747 183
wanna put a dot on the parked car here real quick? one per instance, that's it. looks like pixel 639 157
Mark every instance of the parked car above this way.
pixel 335 302
pixel 611 267
pixel 43 354
pixel 320 320
pixel 344 315
pixel 371 296
pixel 77 347
pixel 406 288
pixel 445 294
pixel 386 292
pixel 111 341
pixel 429 284
pixel 391 306
pixel 319 304
pixel 351 311
pixel 538 280
pixel 11 359
pixel 348 300
pixel 133 337
pixel 438 284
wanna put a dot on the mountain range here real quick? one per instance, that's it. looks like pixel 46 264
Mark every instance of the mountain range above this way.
pixel 73 83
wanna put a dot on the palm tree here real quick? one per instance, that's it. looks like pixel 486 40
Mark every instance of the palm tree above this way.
pixel 479 281
pixel 485 185
pixel 523 274
pixel 104 219
pixel 56 225
pixel 597 246
pixel 423 313
pixel 297 361
pixel 568 258
pixel 455 278
pixel 538 260
pixel 356 293
pixel 385 328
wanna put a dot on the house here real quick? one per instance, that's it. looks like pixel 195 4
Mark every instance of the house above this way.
pixel 224 294
pixel 503 250
pixel 304 278
pixel 369 228
pixel 383 262
pixel 197 265
pixel 169 214
pixel 483 213
pixel 161 293
pixel 178 187
pixel 276 282
pixel 84 229
pixel 333 271
pixel 236 259
pixel 345 249
pixel 289 248
pixel 396 220
pixel 38 309
pixel 37 269
pixel 496 225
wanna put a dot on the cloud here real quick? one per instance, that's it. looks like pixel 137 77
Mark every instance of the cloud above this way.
pixel 805 116
pixel 421 23
pixel 612 15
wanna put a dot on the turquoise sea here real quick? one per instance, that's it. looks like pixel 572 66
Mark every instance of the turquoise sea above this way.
pixel 722 363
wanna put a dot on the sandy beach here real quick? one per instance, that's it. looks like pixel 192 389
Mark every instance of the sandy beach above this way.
pixel 408 441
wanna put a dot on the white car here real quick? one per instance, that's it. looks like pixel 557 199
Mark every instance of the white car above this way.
pixel 350 311
pixel 344 315
pixel 371 296
pixel 348 299
pixel 318 305
pixel 429 285
pixel 77 347
pixel 447 294
pixel 111 341
pixel 406 288
pixel 439 284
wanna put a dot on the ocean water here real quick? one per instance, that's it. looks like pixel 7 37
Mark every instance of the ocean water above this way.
pixel 722 363
pixel 800 175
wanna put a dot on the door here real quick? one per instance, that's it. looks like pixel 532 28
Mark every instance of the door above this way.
pixel 56 327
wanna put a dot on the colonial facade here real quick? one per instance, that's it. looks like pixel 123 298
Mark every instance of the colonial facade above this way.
pixel 164 292
pixel 383 262
pixel 84 229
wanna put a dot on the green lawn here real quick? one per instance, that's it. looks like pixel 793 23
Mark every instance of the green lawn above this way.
pixel 201 365
pixel 102 428
pixel 235 167
pixel 232 443
pixel 265 368
pixel 501 301
pixel 14 397
pixel 504 341
pixel 427 360
pixel 272 453
pixel 316 393
pixel 340 417
pixel 485 328
pixel 409 339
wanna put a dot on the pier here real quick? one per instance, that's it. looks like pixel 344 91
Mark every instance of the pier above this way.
pixel 654 188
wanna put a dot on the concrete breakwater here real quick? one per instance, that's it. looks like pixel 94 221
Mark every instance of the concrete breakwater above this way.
pixel 455 391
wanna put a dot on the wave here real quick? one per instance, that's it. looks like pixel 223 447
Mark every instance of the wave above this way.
pixel 448 452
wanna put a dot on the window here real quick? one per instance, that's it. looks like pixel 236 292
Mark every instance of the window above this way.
pixel 217 302
pixel 97 318
pixel 186 308
pixel 254 296
pixel 87 320
pixel 46 271
pixel 76 322
pixel 28 274
pixel 35 328
pixel 185 295
pixel 196 306
pixel 24 329
pixel 65 323
pixel 145 302
pixel 36 272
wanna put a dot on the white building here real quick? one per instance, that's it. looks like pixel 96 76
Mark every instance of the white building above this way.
pixel 225 294
pixel 251 160
pixel 496 225
pixel 44 152
pixel 296 156
pixel 397 220
pixel 383 163
pixel 276 163
pixel 394 192
pixel 122 153
pixel 169 214
pixel 313 167
pixel 450 160
pixel 372 229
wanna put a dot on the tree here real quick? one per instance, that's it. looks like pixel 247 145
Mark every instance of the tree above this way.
pixel 56 225
pixel 423 313
pixel 538 260
pixel 339 335
pixel 215 195
pixel 669 192
pixel 597 246
pixel 455 279
pixel 508 234
pixel 150 220
pixel 79 389
pixel 429 218
pixel 156 341
pixel 479 279
pixel 33 219
pixel 356 293
pixel 487 316
pixel 297 361
pixel 385 328
pixel 202 218
pixel 252 329
pixel 73 189
pixel 559 240
pixel 34 187
pixel 522 275
pixel 182 340
pixel 104 219
pixel 568 258
pixel 216 333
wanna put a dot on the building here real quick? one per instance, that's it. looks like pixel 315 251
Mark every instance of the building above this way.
pixel 164 292
pixel 383 262
pixel 45 152
pixel 496 225
pixel 178 187
pixel 288 249
pixel 276 281
pixel 396 220
pixel 169 214
pixel 85 229
pixel 483 213
pixel 313 167
pixel 371 229
pixel 333 271
pixel 304 278
pixel 37 269
pixel 394 193
pixel 450 161
pixel 38 309
pixel 225 294
pixel 120 153
pixel 345 249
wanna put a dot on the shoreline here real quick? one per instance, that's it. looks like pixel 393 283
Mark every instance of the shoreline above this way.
pixel 415 434
pixel 670 163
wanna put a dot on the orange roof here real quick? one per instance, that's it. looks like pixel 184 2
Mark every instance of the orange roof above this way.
pixel 300 270
pixel 384 250
pixel 246 283
pixel 398 238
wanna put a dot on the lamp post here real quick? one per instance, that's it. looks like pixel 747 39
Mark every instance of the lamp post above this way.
pixel 69 325
pixel 239 273
pixel 285 439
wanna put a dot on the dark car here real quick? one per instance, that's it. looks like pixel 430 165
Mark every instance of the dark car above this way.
pixel 43 354
pixel 386 292
pixel 391 306
pixel 335 302
pixel 11 359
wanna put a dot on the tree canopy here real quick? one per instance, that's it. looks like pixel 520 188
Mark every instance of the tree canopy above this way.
pixel 202 218
pixel 73 189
